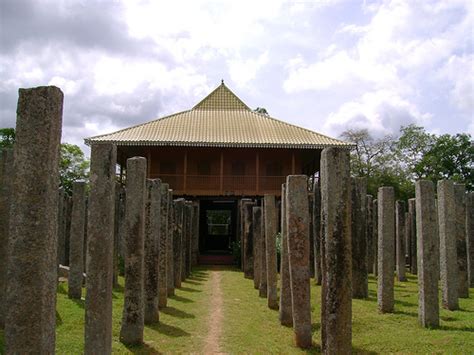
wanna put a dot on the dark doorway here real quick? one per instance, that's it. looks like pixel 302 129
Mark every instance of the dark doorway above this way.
pixel 217 226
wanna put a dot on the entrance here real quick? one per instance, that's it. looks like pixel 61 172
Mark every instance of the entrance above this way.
pixel 217 226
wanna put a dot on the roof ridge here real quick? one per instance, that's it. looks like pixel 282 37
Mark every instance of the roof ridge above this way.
pixel 201 105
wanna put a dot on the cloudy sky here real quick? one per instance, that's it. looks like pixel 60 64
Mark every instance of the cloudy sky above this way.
pixel 327 65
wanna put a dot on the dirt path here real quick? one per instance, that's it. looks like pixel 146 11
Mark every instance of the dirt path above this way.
pixel 211 344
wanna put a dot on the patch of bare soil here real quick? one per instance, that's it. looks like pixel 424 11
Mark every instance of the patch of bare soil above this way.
pixel 215 323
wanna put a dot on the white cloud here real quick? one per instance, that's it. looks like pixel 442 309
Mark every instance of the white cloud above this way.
pixel 242 71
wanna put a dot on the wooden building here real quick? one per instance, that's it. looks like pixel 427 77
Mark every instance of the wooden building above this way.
pixel 217 153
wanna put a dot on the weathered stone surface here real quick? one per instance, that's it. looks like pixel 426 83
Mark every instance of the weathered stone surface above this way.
pixel 170 244
pixel 428 273
pixel 121 224
pixel 152 249
pixel 360 276
pixel 195 242
pixel 375 238
pixel 257 246
pixel 336 306
pixel 400 240
pixel 470 236
pixel 297 224
pixel 286 312
pixel 133 318
pixel 76 249
pixel 100 243
pixel 386 249
pixel 259 232
pixel 189 237
pixel 311 233
pixel 163 272
pixel 61 227
pixel 271 220
pixel 460 215
pixel 67 227
pixel 117 221
pixel 447 238
pixel 248 238
pixel 6 175
pixel 370 233
pixel 411 221
pixel 32 260
pixel 316 216
pixel 177 240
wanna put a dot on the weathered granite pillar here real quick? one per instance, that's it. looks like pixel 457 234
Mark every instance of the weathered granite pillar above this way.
pixel 189 237
pixel 170 244
pixel 336 303
pixel 195 242
pixel 311 234
pixel 317 233
pixel 248 238
pixel 470 236
pixel 121 224
pixel 61 227
pixel 370 233
pixel 184 235
pixel 259 233
pixel 6 176
pixel 386 249
pixel 271 218
pixel 152 249
pixel 163 272
pixel 447 241
pixel 100 244
pixel 257 247
pixel 131 331
pixel 413 239
pixel 76 243
pixel 460 222
pixel 117 222
pixel 30 317
pixel 297 224
pixel 400 240
pixel 286 312
pixel 177 238
pixel 375 238
pixel 428 273
pixel 67 227
pixel 360 277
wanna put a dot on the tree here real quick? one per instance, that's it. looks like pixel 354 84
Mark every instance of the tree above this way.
pixel 7 137
pixel 261 110
pixel 72 166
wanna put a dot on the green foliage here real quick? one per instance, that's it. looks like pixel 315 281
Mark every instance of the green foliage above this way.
pixel 72 166
pixel 7 137
pixel 261 110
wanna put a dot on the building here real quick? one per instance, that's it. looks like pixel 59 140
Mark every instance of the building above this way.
pixel 217 153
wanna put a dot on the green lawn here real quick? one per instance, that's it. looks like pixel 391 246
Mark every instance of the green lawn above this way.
pixel 250 327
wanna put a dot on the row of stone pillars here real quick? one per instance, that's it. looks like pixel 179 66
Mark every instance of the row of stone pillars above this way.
pixel 41 228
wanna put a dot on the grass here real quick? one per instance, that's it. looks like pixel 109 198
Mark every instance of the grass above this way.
pixel 251 327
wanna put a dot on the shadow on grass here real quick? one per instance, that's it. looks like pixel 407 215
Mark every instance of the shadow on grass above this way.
pixel 171 311
pixel 190 281
pixel 119 288
pixel 189 289
pixel 142 349
pixel 59 321
pixel 315 327
pixel 168 330
pixel 410 314
pixel 81 303
pixel 181 299
pixel 62 289
pixel 405 303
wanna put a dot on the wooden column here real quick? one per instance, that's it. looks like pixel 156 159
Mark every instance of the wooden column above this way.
pixel 257 170
pixel 221 177
pixel 185 170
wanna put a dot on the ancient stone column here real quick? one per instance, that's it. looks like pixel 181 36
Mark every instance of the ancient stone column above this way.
pixel 259 237
pixel 447 241
pixel 428 273
pixel 336 306
pixel 297 225
pixel 248 238
pixel 271 218
pixel 100 244
pixel 177 238
pixel 195 242
pixel 400 240
pixel 170 244
pixel 370 233
pixel 6 176
pixel 61 227
pixel 470 236
pixel 189 237
pixel 121 224
pixel 317 233
pixel 30 318
pixel 413 240
pixel 286 313
pixel 311 233
pixel 117 221
pixel 152 249
pixel 375 238
pixel 133 319
pixel 184 245
pixel 163 272
pixel 460 222
pixel 67 227
pixel 360 276
pixel 76 244
pixel 257 246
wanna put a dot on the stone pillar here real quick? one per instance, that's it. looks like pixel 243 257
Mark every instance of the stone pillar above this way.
pixel 375 238
pixel 447 241
pixel 152 249
pixel 30 317
pixel 248 238
pixel 184 241
pixel 257 247
pixel 311 233
pixel 360 277
pixel 428 273
pixel 413 243
pixel 117 242
pixel 121 225
pixel 271 218
pixel 6 165
pixel 336 306
pixel 460 222
pixel 177 235
pixel 100 244
pixel 370 233
pixel 386 249
pixel 61 227
pixel 259 233
pixel 67 227
pixel 470 236
pixel 400 240
pixel 131 331
pixel 286 314
pixel 189 237
pixel 76 244
pixel 163 272
pixel 317 233
pixel 297 225
pixel 195 233
pixel 170 244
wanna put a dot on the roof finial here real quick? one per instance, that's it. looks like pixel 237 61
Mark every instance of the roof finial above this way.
pixel 222 81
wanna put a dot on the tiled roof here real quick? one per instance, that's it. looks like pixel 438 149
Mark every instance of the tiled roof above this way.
pixel 219 120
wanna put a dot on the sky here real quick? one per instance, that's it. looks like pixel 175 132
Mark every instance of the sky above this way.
pixel 326 65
